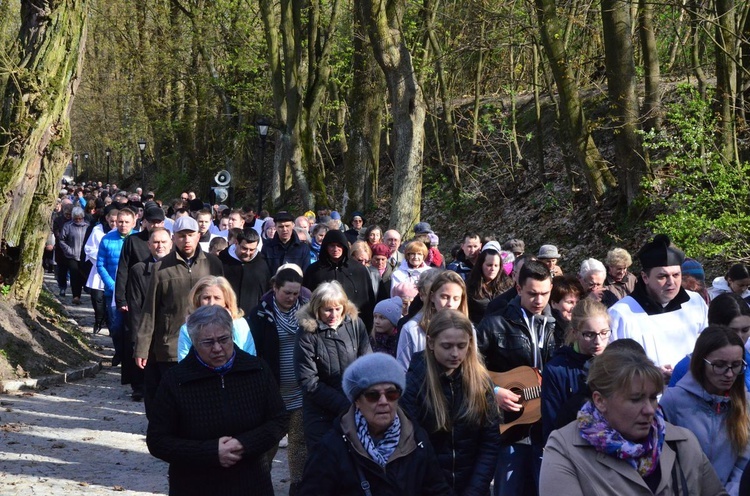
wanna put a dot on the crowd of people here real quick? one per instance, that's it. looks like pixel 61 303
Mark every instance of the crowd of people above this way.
pixel 387 369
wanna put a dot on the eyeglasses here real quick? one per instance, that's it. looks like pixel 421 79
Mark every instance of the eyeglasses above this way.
pixel 590 336
pixel 410 255
pixel 721 368
pixel 209 343
pixel 374 396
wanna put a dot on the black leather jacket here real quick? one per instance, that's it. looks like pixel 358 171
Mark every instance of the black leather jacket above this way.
pixel 505 340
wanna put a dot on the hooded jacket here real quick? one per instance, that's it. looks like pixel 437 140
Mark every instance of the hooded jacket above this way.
pixel 506 342
pixel 320 358
pixel 690 406
pixel 352 275
pixel 720 285
pixel 411 470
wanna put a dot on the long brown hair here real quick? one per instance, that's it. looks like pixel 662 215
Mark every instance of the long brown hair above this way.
pixel 738 423
pixel 429 311
pixel 474 376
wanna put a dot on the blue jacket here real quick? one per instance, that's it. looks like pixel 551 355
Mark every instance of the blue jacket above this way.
pixel 563 387
pixel 690 406
pixel 108 258
pixel 467 453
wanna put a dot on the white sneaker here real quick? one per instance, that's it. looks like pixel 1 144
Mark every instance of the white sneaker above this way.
pixel 284 442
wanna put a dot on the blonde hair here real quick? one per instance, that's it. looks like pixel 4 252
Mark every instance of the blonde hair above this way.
pixel 360 246
pixel 474 376
pixel 429 311
pixel 415 246
pixel 618 256
pixel 230 298
pixel 583 311
pixel 615 369
pixel 330 292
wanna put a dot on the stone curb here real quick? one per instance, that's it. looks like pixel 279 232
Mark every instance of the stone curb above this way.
pixel 12 385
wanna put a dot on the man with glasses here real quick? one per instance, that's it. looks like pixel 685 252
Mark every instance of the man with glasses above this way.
pixel 659 314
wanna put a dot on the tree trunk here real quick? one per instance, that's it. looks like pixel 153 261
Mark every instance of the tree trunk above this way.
pixel 652 101
pixel 726 77
pixel 697 20
pixel 362 161
pixel 407 108
pixel 598 175
pixel 618 56
pixel 34 144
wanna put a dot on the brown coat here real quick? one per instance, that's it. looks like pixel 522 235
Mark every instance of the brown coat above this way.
pixel 571 466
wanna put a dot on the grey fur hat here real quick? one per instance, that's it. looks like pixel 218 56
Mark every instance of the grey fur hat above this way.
pixel 368 370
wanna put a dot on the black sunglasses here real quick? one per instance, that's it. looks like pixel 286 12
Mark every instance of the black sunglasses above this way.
pixel 374 396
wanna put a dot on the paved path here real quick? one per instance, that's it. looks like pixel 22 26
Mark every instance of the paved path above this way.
pixel 84 437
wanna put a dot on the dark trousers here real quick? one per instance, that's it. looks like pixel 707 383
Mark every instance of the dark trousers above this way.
pixel 61 272
pixel 130 373
pixel 100 310
pixel 76 278
pixel 152 375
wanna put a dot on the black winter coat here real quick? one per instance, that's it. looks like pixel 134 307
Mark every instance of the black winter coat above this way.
pixel 134 250
pixel 320 358
pixel 412 469
pixel 352 275
pixel 194 407
pixel 468 453
pixel 249 280
pixel 564 389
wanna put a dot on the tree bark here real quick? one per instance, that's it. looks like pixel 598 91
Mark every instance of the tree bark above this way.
pixel 726 77
pixel 652 101
pixel 618 56
pixel 362 161
pixel 34 143
pixel 597 173
pixel 407 108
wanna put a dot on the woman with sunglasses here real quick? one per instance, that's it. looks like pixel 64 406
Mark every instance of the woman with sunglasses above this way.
pixel 564 377
pixel 374 443
pixel 710 400
pixel 450 394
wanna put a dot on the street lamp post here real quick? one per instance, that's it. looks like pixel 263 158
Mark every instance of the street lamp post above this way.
pixel 75 167
pixel 263 132
pixel 108 152
pixel 142 147
pixel 86 164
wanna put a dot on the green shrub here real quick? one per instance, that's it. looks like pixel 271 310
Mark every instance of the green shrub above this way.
pixel 704 201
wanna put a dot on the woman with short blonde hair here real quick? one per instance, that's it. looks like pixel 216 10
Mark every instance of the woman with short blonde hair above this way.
pixel 216 290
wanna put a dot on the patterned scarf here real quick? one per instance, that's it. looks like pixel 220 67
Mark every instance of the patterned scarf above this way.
pixel 383 449
pixel 286 321
pixel 644 457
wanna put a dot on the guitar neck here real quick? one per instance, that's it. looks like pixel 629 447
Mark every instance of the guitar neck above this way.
pixel 531 393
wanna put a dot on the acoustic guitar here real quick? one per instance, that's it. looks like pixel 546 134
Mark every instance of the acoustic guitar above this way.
pixel 526 382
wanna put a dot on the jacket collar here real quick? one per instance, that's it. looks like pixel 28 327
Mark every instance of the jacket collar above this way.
pixel 406 443
pixel 193 370
pixel 666 460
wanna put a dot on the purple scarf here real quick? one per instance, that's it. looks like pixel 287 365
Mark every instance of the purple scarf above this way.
pixel 644 457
